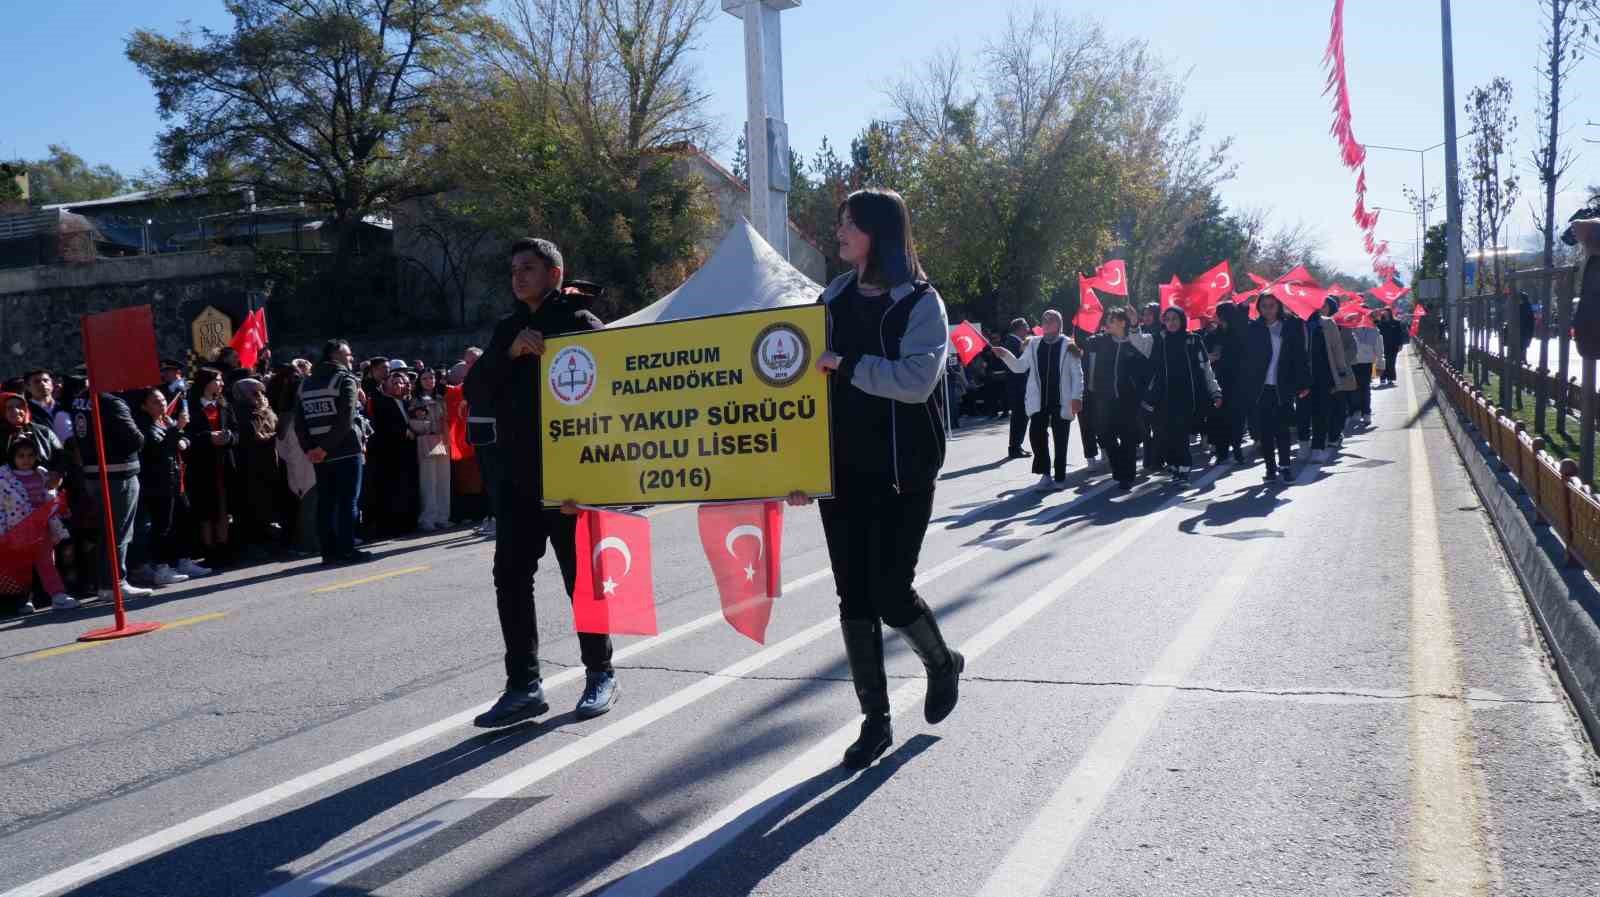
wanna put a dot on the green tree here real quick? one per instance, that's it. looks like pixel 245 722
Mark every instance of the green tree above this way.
pixel 63 176
pixel 319 101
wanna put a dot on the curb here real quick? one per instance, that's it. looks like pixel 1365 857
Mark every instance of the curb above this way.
pixel 1564 600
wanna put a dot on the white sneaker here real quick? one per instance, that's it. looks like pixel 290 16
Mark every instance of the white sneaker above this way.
pixel 129 591
pixel 487 528
pixel 1366 420
pixel 192 570
pixel 63 601
pixel 166 576
pixel 1047 483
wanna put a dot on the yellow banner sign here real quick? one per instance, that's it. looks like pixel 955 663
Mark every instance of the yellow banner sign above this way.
pixel 726 408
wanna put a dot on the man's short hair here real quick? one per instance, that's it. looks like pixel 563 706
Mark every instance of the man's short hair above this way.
pixel 28 377
pixel 544 249
pixel 1019 322
pixel 331 348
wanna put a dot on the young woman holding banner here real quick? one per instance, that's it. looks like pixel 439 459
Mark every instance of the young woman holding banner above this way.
pixel 888 336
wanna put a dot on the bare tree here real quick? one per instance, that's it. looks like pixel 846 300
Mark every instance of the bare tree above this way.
pixel 1562 50
pixel 1495 185
pixel 618 71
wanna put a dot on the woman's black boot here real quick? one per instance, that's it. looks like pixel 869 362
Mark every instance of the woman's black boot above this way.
pixel 863 645
pixel 944 666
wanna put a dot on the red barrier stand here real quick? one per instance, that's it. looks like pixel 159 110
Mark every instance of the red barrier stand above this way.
pixel 113 324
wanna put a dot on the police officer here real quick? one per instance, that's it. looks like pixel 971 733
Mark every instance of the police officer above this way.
pixel 332 429
pixel 503 385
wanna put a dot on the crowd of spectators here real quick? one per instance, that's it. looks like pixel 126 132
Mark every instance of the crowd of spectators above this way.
pixel 207 471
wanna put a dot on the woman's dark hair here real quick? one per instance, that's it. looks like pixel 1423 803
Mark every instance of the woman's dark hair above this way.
pixel 143 395
pixel 882 215
pixel 1278 303
pixel 1121 314
pixel 283 386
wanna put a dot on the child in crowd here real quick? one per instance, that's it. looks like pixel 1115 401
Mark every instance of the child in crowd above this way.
pixel 24 488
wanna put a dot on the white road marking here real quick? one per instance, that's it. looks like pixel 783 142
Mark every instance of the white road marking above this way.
pixel 1448 856
pixel 673 864
pixel 1037 856
pixel 167 838
pixel 376 850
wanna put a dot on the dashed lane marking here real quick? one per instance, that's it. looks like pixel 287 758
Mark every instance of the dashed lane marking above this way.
pixel 84 646
pixel 376 577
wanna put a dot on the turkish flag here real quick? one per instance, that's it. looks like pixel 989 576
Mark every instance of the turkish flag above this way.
pixel 1111 277
pixel 251 338
pixel 615 592
pixel 1169 291
pixel 967 342
pixel 1217 282
pixel 455 423
pixel 1353 315
pixel 744 545
pixel 1298 291
pixel 1417 312
pixel 1090 311
pixel 1390 292
pixel 119 349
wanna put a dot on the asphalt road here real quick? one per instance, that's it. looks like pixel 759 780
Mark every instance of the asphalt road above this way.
pixel 1330 688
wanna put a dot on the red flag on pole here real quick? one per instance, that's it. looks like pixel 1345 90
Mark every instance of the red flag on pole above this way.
pixel 1352 315
pixel 1417 312
pixel 967 342
pixel 1111 277
pixel 744 545
pixel 1169 291
pixel 1216 283
pixel 615 591
pixel 251 338
pixel 1298 291
pixel 1090 311
pixel 1390 292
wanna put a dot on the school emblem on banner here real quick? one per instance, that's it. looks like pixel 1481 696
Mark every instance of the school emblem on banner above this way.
pixel 780 354
pixel 573 372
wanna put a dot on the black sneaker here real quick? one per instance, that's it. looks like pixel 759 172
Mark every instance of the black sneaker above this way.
pixel 1272 475
pixel 1287 474
pixel 357 557
pixel 514 706
pixel 599 693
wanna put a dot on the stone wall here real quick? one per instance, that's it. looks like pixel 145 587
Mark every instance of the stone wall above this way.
pixel 40 307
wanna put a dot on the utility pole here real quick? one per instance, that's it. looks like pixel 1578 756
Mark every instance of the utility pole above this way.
pixel 1454 279
pixel 766 133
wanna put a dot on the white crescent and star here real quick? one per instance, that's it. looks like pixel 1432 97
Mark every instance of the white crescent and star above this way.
pixel 1288 290
pixel 740 532
pixel 1115 279
pixel 615 543
pixel 964 343
pixel 1225 281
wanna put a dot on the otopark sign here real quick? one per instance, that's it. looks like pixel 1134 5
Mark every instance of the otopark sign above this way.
pixel 722 408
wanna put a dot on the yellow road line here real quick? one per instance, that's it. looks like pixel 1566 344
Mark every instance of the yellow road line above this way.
pixel 84 646
pixel 1448 854
pixel 376 577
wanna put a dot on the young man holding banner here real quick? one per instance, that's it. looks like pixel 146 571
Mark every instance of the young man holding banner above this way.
pixel 503 385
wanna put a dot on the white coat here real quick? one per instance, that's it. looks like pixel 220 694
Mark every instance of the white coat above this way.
pixel 1071 375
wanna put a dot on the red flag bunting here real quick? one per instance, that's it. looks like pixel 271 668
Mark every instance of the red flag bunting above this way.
pixel 615 592
pixel 744 545
pixel 968 342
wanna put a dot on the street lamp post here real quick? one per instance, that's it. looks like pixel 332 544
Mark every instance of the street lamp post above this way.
pixel 766 133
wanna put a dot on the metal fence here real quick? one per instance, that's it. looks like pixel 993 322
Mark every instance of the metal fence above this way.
pixel 1540 367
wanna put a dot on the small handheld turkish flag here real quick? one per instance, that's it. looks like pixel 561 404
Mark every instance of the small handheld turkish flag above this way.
pixel 119 349
pixel 1090 311
pixel 1352 315
pixel 1216 283
pixel 967 342
pixel 1390 292
pixel 1170 291
pixel 744 545
pixel 1417 312
pixel 251 338
pixel 615 592
pixel 1111 277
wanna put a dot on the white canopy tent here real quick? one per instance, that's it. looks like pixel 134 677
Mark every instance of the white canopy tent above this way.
pixel 744 274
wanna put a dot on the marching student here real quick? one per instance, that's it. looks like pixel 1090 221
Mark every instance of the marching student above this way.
pixel 1331 379
pixel 1369 353
pixel 1118 368
pixel 1226 345
pixel 1055 395
pixel 1394 337
pixel 1017 391
pixel 1181 385
pixel 1274 374
pixel 889 336
pixel 501 385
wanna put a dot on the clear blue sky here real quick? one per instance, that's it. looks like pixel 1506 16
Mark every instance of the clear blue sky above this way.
pixel 1254 73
